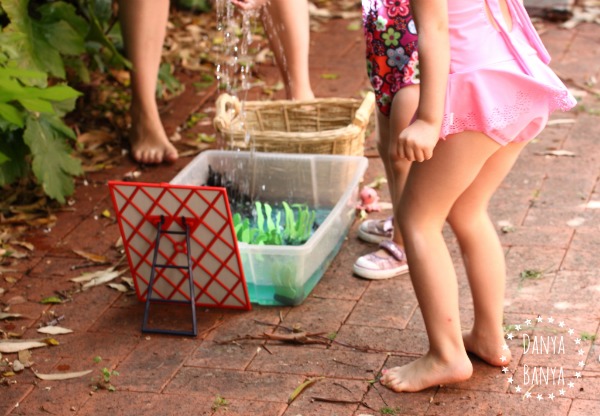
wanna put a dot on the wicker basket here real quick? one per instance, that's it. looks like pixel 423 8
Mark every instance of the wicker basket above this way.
pixel 322 126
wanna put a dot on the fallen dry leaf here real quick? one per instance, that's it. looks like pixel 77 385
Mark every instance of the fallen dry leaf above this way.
pixel 54 330
pixel 16 300
pixel 25 357
pixel 15 254
pixel 561 121
pixel 128 281
pixel 10 346
pixel 18 366
pixel 91 257
pixel 558 152
pixel 4 315
pixel 24 244
pixel 576 222
pixel 62 376
pixel 302 387
pixel 102 279
pixel 119 287
pixel 592 205
pixel 51 341
pixel 93 139
pixel 105 275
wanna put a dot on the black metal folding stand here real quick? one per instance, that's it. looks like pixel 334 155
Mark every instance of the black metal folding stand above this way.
pixel 155 265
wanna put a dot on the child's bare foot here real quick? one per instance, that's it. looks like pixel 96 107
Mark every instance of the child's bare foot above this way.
pixel 489 348
pixel 427 371
pixel 301 94
pixel 149 142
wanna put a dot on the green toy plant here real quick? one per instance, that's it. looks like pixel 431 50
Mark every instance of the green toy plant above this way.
pixel 269 231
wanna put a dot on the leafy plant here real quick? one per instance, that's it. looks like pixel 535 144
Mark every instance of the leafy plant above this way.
pixel 219 403
pixel 168 84
pixel 588 337
pixel 530 274
pixel 40 43
pixel 195 5
pixel 104 380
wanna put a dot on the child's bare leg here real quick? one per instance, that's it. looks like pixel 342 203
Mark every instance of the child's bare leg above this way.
pixel 484 257
pixel 144 26
pixel 388 129
pixel 431 190
pixel 288 30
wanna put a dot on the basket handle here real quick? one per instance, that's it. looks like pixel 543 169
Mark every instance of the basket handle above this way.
pixel 363 114
pixel 223 113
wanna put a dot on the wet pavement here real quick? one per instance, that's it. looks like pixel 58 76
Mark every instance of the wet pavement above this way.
pixel 548 215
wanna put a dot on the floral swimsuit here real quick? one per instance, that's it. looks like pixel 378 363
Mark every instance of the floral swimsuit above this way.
pixel 392 58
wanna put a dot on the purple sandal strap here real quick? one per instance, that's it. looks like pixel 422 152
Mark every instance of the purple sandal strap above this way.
pixel 394 249
pixel 388 224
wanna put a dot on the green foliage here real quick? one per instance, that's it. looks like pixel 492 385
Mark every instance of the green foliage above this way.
pixel 167 83
pixel 218 403
pixel 269 229
pixel 285 283
pixel 40 43
pixel 104 380
pixel 586 336
pixel 195 5
pixel 298 231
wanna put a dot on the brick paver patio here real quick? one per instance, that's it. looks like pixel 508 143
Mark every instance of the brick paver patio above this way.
pixel 548 215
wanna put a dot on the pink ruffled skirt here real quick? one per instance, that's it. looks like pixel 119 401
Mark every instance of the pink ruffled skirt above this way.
pixel 500 82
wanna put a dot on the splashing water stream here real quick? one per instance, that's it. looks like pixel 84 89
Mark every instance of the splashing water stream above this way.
pixel 234 77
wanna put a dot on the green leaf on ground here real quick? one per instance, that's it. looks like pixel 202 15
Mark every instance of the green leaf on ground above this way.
pixel 51 300
pixel 206 138
pixel 302 387
pixel 354 26
pixel 62 376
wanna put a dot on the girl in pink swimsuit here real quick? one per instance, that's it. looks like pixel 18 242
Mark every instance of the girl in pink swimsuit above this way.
pixel 486 90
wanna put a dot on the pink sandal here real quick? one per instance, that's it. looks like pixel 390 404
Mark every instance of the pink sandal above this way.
pixel 376 231
pixel 375 267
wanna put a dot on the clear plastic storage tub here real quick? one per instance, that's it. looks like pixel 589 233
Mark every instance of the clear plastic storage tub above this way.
pixel 285 275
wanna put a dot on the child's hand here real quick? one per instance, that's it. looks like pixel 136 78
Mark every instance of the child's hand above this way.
pixel 416 142
pixel 249 4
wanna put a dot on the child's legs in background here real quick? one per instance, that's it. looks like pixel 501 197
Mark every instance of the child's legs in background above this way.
pixel 144 26
pixel 403 108
pixel 431 190
pixel 287 23
pixel 483 256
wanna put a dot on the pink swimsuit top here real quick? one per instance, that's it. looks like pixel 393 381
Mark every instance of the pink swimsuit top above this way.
pixel 500 82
